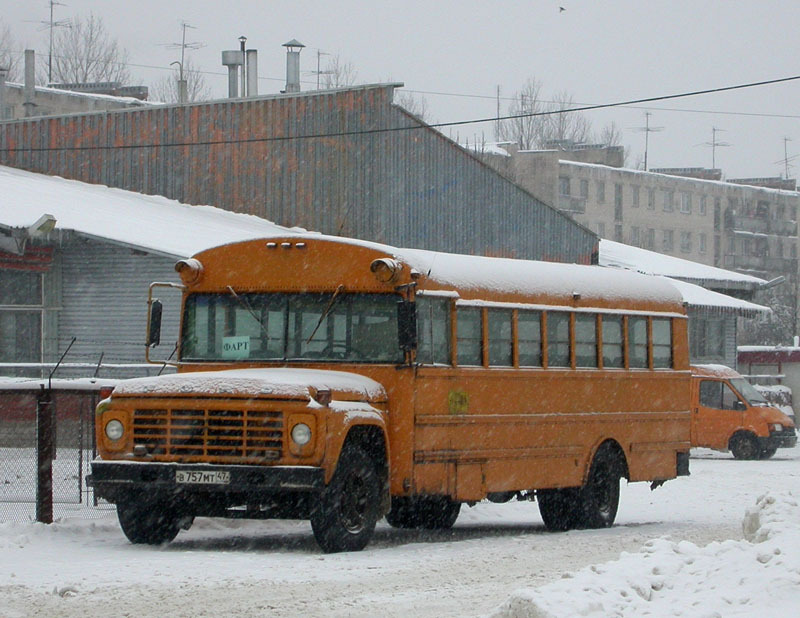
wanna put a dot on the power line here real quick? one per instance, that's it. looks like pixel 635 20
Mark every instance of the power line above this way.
pixel 417 127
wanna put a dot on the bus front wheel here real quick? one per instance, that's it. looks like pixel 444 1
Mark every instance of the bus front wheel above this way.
pixel 147 522
pixel 348 509
pixel 744 445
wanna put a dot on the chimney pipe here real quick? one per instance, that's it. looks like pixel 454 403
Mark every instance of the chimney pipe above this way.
pixel 251 60
pixel 3 75
pixel 293 49
pixel 232 59
pixel 29 88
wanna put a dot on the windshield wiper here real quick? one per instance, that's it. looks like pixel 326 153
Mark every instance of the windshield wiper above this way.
pixel 325 313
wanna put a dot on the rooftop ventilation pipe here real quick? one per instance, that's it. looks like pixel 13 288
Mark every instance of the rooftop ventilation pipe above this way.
pixel 232 59
pixel 293 49
pixel 251 70
pixel 3 75
pixel 29 88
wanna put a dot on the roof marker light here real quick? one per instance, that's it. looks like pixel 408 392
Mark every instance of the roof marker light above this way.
pixel 386 270
pixel 190 270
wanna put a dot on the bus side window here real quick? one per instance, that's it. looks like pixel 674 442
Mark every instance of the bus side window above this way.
pixel 662 343
pixel 558 341
pixel 433 330
pixel 500 341
pixel 637 343
pixel 612 342
pixel 585 340
pixel 468 327
pixel 529 335
pixel 718 395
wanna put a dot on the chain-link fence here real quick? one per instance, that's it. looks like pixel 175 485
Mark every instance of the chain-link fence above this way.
pixel 69 441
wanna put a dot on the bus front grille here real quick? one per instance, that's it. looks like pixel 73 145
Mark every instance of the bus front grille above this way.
pixel 209 434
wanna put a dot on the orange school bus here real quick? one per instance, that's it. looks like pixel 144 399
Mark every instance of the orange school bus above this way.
pixel 341 381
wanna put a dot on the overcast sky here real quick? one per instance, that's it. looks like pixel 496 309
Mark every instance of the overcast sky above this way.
pixel 456 53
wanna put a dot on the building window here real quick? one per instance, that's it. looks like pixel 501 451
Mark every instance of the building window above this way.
pixel 618 195
pixel 635 196
pixel 706 338
pixel 651 239
pixel 669 201
pixel 686 203
pixel 584 189
pixel 563 185
pixel 668 241
pixel 686 242
pixel 651 199
pixel 703 201
pixel 618 233
pixel 717 214
pixel 20 319
pixel 702 243
pixel 601 230
pixel 635 239
pixel 601 192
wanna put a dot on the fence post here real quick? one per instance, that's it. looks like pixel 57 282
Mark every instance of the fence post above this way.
pixel 45 452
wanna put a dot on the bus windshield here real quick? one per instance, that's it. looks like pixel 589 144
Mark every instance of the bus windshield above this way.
pixel 754 398
pixel 331 326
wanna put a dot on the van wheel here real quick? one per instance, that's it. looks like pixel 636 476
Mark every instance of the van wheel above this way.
pixel 766 453
pixel 431 513
pixel 744 446
pixel 147 522
pixel 348 509
pixel 599 497
pixel 559 508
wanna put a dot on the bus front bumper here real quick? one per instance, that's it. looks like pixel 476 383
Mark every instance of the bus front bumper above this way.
pixel 783 439
pixel 112 480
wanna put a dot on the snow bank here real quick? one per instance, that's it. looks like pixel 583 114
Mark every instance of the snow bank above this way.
pixel 758 575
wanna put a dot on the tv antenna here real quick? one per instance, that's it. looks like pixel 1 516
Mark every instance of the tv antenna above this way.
pixel 319 70
pixel 714 145
pixel 51 25
pixel 647 130
pixel 786 158
pixel 183 45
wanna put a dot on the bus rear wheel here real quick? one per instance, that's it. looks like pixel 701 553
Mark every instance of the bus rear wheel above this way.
pixel 744 446
pixel 559 508
pixel 599 497
pixel 429 512
pixel 348 510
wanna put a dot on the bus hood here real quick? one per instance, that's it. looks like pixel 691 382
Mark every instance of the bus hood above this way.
pixel 770 414
pixel 274 382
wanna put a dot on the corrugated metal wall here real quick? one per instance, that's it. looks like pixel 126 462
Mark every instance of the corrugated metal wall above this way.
pixel 327 165
pixel 104 304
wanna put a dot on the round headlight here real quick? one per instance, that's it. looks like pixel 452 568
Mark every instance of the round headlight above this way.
pixel 301 434
pixel 114 430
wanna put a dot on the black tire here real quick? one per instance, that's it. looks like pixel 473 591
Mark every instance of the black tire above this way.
pixel 560 508
pixel 348 508
pixel 430 512
pixel 745 446
pixel 147 522
pixel 766 453
pixel 599 497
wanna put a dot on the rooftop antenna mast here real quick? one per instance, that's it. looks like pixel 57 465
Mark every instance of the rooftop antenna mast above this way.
pixel 319 70
pixel 51 25
pixel 647 130
pixel 714 145
pixel 183 45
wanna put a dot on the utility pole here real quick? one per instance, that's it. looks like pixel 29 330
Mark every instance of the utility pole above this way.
pixel 497 123
pixel 647 130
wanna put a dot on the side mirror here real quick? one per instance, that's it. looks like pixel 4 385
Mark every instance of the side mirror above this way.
pixel 407 325
pixel 154 326
pixel 740 405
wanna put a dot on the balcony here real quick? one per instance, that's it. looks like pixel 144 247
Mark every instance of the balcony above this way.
pixel 570 204
pixel 758 225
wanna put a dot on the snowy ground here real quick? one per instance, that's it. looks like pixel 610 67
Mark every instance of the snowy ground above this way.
pixel 677 551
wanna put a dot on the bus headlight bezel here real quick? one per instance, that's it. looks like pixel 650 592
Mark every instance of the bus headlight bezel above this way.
pixel 114 430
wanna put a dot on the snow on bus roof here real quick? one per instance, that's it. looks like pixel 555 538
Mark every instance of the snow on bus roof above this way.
pixel 153 223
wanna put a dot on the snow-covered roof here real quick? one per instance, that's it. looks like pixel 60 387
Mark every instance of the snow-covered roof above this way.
pixel 652 263
pixel 132 101
pixel 699 297
pixel 155 224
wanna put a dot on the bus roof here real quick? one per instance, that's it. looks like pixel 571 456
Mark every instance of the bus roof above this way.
pixel 474 277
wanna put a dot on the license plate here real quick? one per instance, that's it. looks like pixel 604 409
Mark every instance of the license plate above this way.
pixel 203 477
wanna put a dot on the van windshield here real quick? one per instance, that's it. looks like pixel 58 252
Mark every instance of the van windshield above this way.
pixel 329 326
pixel 746 390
